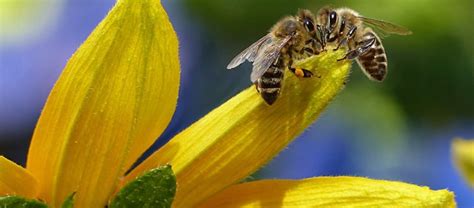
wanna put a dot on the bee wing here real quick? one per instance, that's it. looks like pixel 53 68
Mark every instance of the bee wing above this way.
pixel 266 57
pixel 249 53
pixel 386 27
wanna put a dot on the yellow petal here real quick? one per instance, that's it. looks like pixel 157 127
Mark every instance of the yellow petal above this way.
pixel 244 133
pixel 114 98
pixel 15 180
pixel 463 154
pixel 330 192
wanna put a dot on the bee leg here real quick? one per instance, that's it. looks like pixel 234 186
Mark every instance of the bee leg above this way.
pixel 310 51
pixel 349 36
pixel 322 37
pixel 340 33
pixel 299 72
pixel 343 41
pixel 361 48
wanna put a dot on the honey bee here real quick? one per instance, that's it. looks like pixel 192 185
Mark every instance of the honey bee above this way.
pixel 345 27
pixel 291 38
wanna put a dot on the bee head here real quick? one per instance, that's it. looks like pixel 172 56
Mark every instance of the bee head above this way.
pixel 286 27
pixel 306 18
pixel 323 16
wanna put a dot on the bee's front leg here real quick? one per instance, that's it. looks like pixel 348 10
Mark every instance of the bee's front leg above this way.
pixel 349 36
pixel 322 37
pixel 361 48
pixel 308 48
pixel 343 41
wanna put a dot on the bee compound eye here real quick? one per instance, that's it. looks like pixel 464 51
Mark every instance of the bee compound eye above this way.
pixel 332 19
pixel 308 24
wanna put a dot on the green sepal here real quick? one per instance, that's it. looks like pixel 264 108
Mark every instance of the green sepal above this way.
pixel 69 202
pixel 155 188
pixel 20 202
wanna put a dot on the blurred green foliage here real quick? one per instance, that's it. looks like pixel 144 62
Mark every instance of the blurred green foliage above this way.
pixel 430 72
pixel 242 19
pixel 24 20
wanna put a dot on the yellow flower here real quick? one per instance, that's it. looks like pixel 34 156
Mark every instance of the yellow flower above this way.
pixel 463 155
pixel 118 93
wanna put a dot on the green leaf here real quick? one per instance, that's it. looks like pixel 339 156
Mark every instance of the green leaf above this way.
pixel 155 188
pixel 19 202
pixel 69 202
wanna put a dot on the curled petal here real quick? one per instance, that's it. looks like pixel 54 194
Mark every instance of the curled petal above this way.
pixel 241 135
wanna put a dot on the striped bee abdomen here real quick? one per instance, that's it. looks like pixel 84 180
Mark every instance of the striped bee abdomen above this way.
pixel 269 84
pixel 374 61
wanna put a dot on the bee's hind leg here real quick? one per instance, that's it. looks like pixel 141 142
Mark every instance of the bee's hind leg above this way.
pixel 361 48
pixel 299 72
pixel 302 73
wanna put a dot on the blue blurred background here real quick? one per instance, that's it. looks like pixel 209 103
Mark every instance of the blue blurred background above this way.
pixel 398 130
